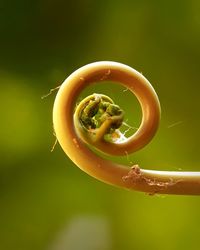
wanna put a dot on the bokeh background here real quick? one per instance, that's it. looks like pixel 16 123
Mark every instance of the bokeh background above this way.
pixel 46 202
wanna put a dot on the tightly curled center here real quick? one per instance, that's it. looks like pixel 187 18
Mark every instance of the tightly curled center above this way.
pixel 99 112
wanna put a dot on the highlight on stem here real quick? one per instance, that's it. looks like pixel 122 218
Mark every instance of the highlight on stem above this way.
pixel 96 121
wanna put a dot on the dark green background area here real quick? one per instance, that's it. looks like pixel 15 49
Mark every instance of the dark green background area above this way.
pixel 46 202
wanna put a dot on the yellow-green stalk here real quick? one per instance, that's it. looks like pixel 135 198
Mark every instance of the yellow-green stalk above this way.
pixel 96 120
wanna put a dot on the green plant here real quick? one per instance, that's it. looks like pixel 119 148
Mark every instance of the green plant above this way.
pixel 96 121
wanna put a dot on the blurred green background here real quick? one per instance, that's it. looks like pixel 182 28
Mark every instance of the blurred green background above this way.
pixel 46 202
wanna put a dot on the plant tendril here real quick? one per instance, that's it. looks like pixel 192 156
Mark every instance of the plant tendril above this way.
pixel 96 121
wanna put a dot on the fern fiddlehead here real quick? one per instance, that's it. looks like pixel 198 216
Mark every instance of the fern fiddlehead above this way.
pixel 96 121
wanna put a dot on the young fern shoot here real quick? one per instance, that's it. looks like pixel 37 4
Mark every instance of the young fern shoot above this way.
pixel 96 121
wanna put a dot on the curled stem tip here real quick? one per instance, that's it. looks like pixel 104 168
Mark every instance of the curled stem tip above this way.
pixel 96 120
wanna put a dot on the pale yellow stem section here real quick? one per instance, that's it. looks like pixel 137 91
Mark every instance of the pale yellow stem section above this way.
pixel 71 139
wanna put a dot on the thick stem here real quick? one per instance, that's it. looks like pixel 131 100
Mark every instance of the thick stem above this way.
pixel 69 133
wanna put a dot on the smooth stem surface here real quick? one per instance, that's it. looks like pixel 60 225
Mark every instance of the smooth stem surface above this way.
pixel 71 135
